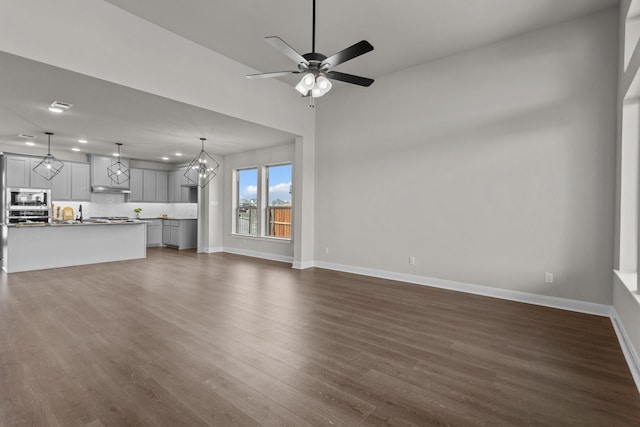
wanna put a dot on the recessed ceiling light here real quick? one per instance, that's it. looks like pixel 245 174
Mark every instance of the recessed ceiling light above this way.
pixel 165 158
pixel 59 107
pixel 82 141
pixel 27 136
pixel 178 154
pixel 116 154
pixel 30 143
pixel 75 149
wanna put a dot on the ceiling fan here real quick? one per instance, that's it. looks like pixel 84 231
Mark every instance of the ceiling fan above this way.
pixel 317 67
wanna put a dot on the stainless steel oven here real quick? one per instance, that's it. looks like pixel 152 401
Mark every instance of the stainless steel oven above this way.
pixel 28 205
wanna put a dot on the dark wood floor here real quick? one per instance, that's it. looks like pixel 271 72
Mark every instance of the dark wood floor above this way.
pixel 185 339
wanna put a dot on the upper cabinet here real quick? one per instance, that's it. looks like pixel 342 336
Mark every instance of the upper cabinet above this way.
pixel 75 180
pixel 38 181
pixel 149 186
pixel 181 190
pixel 136 177
pixel 80 181
pixel 61 184
pixel 162 182
pixel 99 175
pixel 71 183
pixel 18 169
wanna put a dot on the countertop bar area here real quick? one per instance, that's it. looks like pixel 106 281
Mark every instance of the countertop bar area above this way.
pixel 27 248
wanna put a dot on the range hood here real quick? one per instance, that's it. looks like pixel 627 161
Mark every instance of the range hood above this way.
pixel 105 189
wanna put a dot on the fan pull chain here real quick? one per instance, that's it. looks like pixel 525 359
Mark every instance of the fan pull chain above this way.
pixel 312 103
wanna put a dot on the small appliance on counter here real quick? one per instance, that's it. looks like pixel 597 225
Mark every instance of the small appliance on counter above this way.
pixel 67 213
pixel 28 206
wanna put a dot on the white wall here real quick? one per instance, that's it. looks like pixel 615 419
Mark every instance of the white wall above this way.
pixel 265 247
pixel 491 167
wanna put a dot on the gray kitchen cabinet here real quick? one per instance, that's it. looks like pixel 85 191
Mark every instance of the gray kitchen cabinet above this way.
pixel 180 233
pixel 18 171
pixel 72 183
pixel 192 176
pixel 177 185
pixel 175 234
pixel 61 184
pixel 136 185
pixel 99 175
pixel 166 233
pixel 180 189
pixel 154 232
pixel 171 186
pixel 35 180
pixel 149 186
pixel 80 182
pixel 162 181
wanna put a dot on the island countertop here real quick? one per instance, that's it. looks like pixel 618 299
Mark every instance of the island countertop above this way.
pixel 29 247
pixel 73 223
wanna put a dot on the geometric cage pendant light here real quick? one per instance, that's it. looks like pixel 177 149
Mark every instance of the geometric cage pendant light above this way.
pixel 202 168
pixel 49 166
pixel 118 172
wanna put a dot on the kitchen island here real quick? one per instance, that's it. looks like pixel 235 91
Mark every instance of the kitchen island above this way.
pixel 33 247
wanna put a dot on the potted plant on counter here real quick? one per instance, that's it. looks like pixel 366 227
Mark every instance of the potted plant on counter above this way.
pixel 137 211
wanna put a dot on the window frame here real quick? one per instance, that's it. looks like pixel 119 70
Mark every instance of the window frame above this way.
pixel 237 206
pixel 267 208
pixel 262 200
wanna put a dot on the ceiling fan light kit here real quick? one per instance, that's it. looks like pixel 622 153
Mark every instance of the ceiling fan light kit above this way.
pixel 317 68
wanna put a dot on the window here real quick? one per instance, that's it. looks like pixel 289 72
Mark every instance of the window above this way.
pixel 263 201
pixel 247 207
pixel 278 211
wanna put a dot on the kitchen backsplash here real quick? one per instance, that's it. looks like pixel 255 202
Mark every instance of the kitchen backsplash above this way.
pixel 102 204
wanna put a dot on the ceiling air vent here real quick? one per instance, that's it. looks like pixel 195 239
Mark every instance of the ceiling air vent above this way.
pixel 63 105
pixel 27 136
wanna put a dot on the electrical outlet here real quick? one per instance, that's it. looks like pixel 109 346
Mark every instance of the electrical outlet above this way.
pixel 412 260
pixel 326 251
pixel 548 277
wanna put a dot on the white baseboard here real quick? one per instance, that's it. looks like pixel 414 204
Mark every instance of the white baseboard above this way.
pixel 627 348
pixel 302 265
pixel 213 250
pixel 543 300
pixel 256 254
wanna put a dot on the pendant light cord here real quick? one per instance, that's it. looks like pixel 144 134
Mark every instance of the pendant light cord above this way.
pixel 49 142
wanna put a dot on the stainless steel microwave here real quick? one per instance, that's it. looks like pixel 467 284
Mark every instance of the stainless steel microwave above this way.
pixel 28 205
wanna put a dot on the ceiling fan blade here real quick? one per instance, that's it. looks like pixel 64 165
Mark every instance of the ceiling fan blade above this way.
pixel 283 47
pixel 351 52
pixel 349 78
pixel 272 74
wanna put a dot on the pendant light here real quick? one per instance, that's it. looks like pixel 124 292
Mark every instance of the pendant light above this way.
pixel 118 172
pixel 49 166
pixel 203 168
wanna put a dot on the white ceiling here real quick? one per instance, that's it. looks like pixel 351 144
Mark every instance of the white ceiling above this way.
pixel 104 113
pixel 404 33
